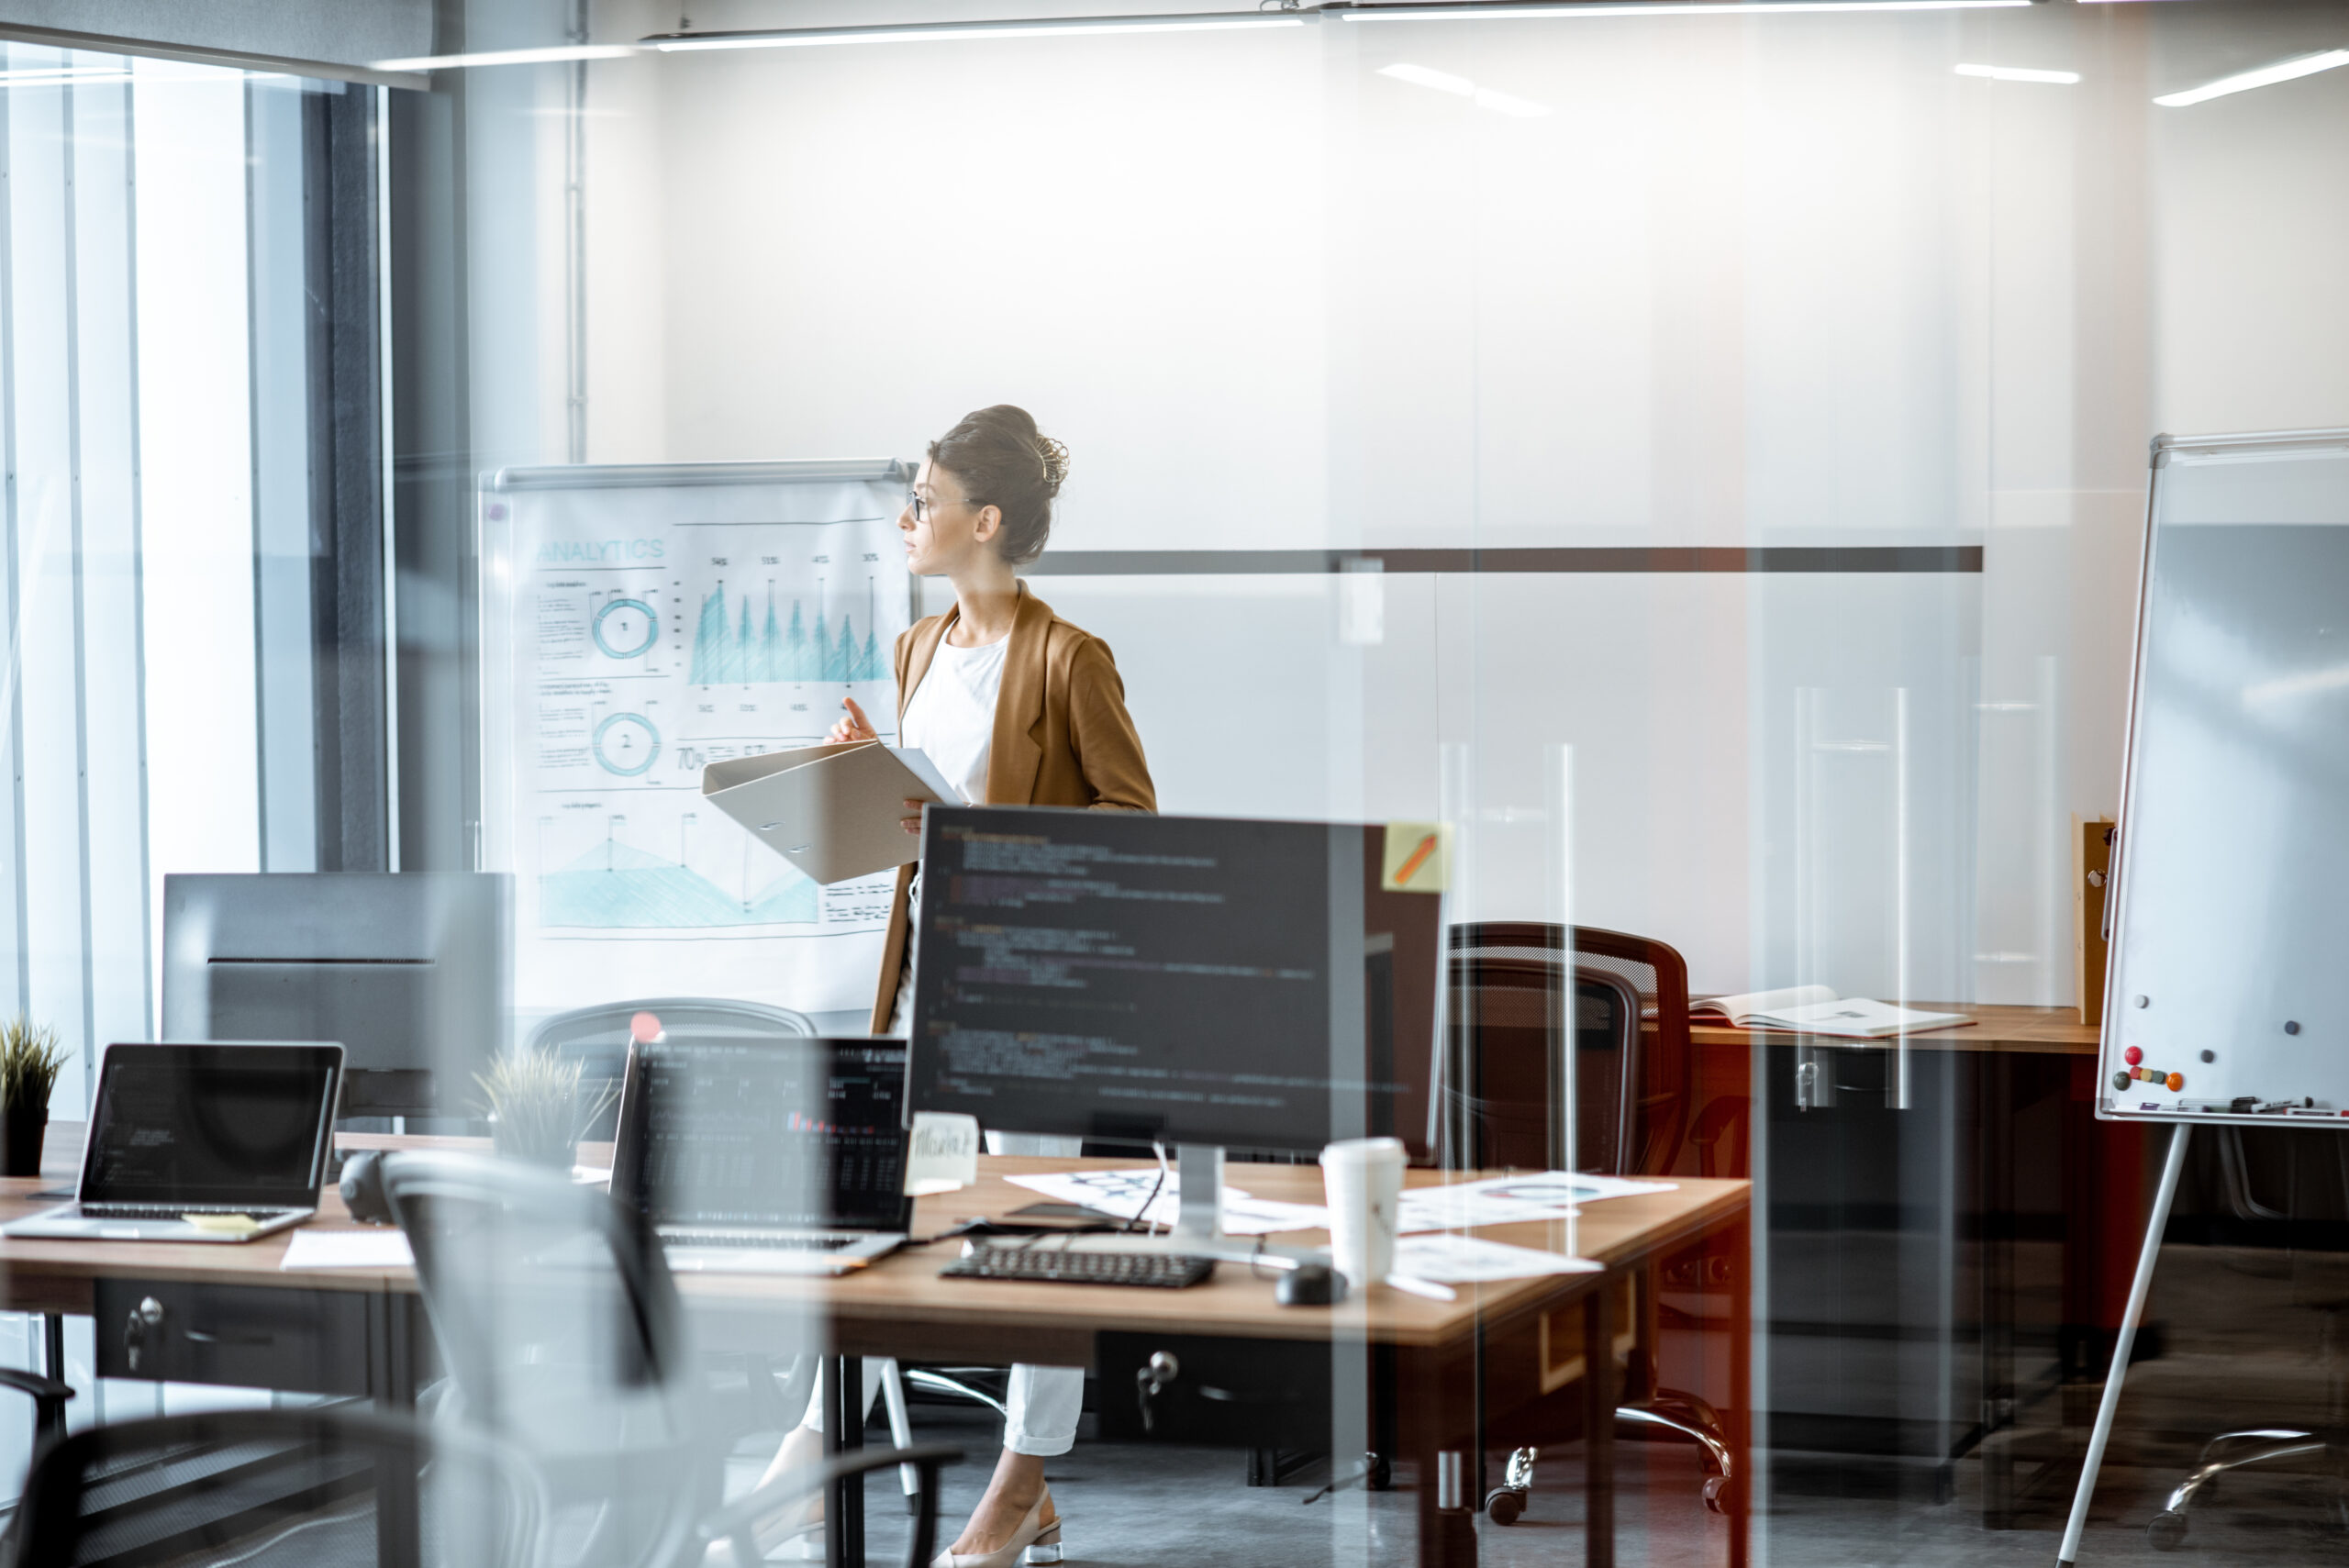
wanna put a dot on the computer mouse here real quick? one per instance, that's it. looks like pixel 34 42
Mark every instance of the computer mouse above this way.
pixel 1310 1285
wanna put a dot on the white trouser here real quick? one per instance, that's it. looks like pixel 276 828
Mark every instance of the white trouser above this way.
pixel 1043 1402
pixel 874 1367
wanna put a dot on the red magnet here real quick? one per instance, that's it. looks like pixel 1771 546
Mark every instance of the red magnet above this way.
pixel 2132 1056
pixel 2176 1080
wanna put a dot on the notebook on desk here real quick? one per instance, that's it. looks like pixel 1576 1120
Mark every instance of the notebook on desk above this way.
pixel 218 1143
pixel 773 1156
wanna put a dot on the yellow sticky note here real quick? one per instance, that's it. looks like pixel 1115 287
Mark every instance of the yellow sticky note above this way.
pixel 226 1224
pixel 1419 857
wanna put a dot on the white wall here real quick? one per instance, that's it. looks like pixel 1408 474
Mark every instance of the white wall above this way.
pixel 1769 280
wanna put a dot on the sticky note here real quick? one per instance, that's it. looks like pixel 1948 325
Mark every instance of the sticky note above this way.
pixel 1419 857
pixel 224 1224
pixel 944 1155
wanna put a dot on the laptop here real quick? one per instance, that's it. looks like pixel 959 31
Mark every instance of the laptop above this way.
pixel 214 1143
pixel 782 1156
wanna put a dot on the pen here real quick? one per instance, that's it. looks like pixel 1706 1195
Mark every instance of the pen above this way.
pixel 1428 1288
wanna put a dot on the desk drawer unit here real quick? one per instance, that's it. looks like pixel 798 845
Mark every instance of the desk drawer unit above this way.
pixel 307 1341
pixel 1183 1388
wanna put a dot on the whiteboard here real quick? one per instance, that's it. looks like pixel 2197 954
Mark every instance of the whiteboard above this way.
pixel 638 622
pixel 2230 922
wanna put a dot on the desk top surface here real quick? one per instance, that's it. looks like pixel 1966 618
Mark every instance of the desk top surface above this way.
pixel 906 1289
pixel 2048 1031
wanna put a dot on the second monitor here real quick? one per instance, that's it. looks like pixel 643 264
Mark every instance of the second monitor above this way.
pixel 1175 980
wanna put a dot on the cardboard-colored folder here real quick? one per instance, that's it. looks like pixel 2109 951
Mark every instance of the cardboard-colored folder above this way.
pixel 833 811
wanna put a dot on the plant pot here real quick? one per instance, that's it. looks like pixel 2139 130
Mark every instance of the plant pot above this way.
pixel 532 1150
pixel 22 1129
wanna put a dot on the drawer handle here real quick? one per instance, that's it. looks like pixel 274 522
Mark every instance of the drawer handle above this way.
pixel 199 1337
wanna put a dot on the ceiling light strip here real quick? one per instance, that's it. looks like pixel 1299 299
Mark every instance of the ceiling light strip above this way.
pixel 1507 9
pixel 2266 76
pixel 2020 74
pixel 556 54
pixel 923 32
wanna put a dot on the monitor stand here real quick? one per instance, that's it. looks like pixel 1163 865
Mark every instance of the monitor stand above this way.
pixel 1198 1223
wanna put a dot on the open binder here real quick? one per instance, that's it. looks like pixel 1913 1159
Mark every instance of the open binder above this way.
pixel 833 811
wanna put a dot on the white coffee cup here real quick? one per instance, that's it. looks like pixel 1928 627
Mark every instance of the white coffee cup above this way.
pixel 1362 1179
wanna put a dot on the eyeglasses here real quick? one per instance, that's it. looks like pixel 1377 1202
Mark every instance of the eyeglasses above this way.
pixel 921 508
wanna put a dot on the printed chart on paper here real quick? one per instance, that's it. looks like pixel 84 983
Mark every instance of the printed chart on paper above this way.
pixel 653 632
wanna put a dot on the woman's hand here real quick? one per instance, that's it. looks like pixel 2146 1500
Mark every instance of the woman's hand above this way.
pixel 913 823
pixel 856 726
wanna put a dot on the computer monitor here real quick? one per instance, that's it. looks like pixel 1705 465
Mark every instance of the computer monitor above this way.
pixel 1178 980
pixel 409 970
pixel 789 1131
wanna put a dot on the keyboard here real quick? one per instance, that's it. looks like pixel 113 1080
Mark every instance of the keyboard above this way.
pixel 1161 1271
pixel 775 1241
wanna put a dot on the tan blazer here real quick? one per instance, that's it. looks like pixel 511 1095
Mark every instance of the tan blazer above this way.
pixel 1061 738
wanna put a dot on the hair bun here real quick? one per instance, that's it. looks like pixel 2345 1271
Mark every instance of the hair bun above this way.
pixel 1055 461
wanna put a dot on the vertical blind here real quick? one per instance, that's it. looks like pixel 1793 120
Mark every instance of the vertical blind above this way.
pixel 156 555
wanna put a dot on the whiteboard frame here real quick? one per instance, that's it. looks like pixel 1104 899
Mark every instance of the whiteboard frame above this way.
pixel 2107 1061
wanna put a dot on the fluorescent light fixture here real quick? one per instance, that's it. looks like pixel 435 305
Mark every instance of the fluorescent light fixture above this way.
pixel 1470 12
pixel 2305 683
pixel 2266 76
pixel 923 32
pixel 1461 87
pixel 551 56
pixel 2020 74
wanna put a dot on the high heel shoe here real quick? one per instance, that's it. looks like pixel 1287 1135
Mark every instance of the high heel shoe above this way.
pixel 1039 1540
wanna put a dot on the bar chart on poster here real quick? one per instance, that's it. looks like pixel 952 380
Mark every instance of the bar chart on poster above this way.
pixel 652 621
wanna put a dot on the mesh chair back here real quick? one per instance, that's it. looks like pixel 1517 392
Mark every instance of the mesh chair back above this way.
pixel 558 1323
pixel 598 1038
pixel 1511 1005
pixel 278 1489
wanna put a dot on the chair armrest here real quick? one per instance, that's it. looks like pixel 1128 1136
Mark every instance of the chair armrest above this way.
pixel 48 1397
pixel 41 1388
pixel 735 1522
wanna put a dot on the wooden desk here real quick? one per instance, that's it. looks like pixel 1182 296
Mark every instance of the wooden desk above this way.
pixel 1484 1357
pixel 2044 1031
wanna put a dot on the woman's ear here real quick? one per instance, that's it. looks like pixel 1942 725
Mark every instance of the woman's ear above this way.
pixel 987 523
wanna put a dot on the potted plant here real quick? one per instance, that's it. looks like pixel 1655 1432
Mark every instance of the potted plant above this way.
pixel 29 1060
pixel 533 1106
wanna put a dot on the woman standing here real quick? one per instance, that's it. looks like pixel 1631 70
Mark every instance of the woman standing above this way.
pixel 1014 707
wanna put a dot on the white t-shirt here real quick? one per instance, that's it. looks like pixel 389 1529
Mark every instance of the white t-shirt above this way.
pixel 951 714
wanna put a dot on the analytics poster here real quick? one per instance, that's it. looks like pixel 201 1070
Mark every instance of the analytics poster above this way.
pixel 650 630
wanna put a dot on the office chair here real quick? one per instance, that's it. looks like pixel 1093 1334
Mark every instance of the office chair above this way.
pixel 560 1327
pixel 1633 1066
pixel 597 1038
pixel 2262 1445
pixel 316 1484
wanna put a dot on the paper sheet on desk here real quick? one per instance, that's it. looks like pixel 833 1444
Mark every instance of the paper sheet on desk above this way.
pixel 1124 1193
pixel 1457 1260
pixel 308 1249
pixel 1511 1200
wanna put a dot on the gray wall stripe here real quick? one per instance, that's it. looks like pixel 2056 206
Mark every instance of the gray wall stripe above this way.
pixel 1630 559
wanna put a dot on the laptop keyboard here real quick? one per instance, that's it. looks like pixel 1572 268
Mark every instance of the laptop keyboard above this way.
pixel 770 1240
pixel 173 1210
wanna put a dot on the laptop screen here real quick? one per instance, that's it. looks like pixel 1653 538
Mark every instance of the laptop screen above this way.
pixel 211 1124
pixel 792 1132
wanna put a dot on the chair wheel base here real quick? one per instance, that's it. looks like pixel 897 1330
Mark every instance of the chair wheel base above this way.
pixel 1380 1476
pixel 1720 1494
pixel 1505 1505
pixel 2167 1531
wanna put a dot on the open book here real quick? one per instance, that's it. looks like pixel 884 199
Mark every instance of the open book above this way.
pixel 1814 1009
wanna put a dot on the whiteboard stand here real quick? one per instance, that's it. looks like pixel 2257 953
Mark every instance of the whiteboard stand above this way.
pixel 2155 1223
pixel 2227 924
